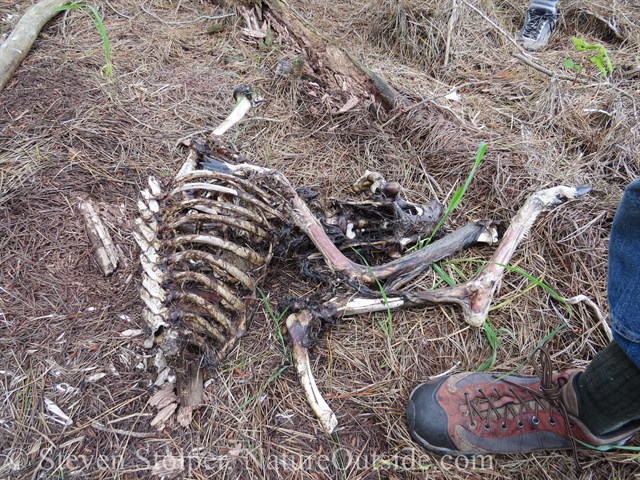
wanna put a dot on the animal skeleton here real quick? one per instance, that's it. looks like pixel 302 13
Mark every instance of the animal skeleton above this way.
pixel 208 236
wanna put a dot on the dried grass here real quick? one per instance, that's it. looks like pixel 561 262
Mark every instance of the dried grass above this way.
pixel 65 130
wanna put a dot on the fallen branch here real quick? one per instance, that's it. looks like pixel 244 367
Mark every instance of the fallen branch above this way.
pixel 15 48
pixel 118 431
pixel 328 60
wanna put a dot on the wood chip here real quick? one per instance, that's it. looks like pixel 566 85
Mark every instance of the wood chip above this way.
pixel 164 415
pixel 352 102
pixel 163 397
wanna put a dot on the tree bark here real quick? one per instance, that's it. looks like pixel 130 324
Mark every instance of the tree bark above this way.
pixel 15 48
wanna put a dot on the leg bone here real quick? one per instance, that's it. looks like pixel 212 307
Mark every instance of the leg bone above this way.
pixel 297 326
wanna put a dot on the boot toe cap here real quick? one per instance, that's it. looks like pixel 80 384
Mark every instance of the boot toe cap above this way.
pixel 427 419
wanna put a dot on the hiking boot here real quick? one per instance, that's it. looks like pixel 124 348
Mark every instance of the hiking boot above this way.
pixel 480 413
pixel 538 26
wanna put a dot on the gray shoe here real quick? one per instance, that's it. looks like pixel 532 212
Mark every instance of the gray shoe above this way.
pixel 538 27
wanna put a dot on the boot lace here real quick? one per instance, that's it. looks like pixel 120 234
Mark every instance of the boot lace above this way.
pixel 547 399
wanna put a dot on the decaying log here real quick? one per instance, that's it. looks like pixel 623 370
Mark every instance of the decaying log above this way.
pixel 15 48
pixel 327 59
pixel 104 249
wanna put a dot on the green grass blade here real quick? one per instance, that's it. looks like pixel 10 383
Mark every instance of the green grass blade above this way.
pixel 457 197
pixel 494 343
pixel 519 271
pixel 271 379
pixel 443 275
pixel 102 30
pixel 97 21
pixel 277 320
pixel 606 448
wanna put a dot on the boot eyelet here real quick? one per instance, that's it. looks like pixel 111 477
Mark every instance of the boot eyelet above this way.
pixel 520 424
pixel 535 420
pixel 503 426
pixel 473 424
pixel 487 426
pixel 552 421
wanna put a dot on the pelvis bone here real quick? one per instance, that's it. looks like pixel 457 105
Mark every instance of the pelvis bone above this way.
pixel 208 235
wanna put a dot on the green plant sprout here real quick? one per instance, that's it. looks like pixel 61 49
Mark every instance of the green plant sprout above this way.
pixel 278 320
pixel 494 343
pixel 262 388
pixel 571 65
pixel 456 200
pixel 490 332
pixel 600 57
pixel 90 10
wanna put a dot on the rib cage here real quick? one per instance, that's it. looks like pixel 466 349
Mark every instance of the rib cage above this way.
pixel 204 245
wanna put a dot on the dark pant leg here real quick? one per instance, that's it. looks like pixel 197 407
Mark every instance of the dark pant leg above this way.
pixel 624 273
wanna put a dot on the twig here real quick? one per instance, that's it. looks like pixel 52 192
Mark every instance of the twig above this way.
pixel 118 12
pixel 416 105
pixel 494 25
pixel 522 56
pixel 186 22
pixel 544 70
pixel 118 431
pixel 266 119
pixel 584 299
pixel 452 23
pixel 570 78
